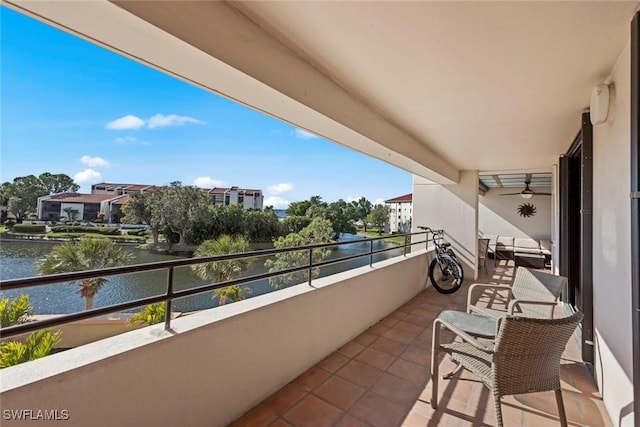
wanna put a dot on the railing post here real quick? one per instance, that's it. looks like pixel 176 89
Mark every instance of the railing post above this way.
pixel 405 245
pixel 310 264
pixel 370 253
pixel 167 303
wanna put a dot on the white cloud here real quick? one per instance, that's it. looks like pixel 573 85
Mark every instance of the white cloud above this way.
pixel 126 122
pixel 280 188
pixel 276 202
pixel 126 139
pixel 378 202
pixel 95 162
pixel 160 120
pixel 207 182
pixel 87 176
pixel 350 199
pixel 301 133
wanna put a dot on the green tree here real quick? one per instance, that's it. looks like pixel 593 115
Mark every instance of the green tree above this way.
pixel 179 207
pixel 141 208
pixel 312 207
pixel 342 215
pixel 261 226
pixel 86 254
pixel 29 188
pixel 318 231
pixel 294 224
pixel 221 271
pixel 37 344
pixel 362 208
pixel 150 315
pixel 57 183
pixel 378 217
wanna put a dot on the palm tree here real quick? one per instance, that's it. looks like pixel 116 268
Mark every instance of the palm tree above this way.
pixel 86 254
pixel 222 271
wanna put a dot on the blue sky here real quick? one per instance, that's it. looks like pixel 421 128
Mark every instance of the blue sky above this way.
pixel 71 107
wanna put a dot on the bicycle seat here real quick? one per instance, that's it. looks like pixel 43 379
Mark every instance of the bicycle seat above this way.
pixel 445 245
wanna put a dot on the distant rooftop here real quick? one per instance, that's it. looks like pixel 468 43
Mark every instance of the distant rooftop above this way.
pixel 400 199
pixel 79 198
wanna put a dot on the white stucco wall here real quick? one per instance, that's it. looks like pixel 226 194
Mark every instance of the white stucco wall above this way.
pixel 498 215
pixel 452 208
pixel 612 251
pixel 216 364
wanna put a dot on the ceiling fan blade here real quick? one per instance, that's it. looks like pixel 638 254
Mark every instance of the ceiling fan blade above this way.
pixel 511 194
pixel 542 194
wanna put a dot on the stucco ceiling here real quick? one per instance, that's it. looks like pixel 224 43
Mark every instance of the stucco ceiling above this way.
pixel 432 87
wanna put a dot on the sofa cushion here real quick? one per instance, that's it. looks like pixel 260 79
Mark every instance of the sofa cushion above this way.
pixel 545 247
pixel 526 243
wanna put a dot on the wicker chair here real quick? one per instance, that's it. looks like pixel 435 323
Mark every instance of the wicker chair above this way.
pixel 533 294
pixel 525 357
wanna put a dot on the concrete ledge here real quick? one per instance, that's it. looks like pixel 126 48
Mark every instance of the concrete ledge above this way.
pixel 216 364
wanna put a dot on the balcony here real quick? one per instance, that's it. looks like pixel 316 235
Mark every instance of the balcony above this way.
pixel 381 378
pixel 349 349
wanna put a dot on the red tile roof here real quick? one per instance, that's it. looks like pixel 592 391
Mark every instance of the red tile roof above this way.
pixel 78 198
pixel 399 199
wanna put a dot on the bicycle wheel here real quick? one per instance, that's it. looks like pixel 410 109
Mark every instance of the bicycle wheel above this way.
pixel 446 276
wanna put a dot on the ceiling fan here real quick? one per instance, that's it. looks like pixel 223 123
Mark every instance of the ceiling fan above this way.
pixel 527 193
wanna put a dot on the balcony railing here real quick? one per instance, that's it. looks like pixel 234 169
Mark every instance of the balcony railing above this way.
pixel 170 294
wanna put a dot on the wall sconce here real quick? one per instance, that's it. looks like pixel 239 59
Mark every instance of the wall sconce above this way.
pixel 599 110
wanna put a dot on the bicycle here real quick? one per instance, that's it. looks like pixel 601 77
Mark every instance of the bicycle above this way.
pixel 445 270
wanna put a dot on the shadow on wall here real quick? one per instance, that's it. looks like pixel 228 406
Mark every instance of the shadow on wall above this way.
pixel 498 215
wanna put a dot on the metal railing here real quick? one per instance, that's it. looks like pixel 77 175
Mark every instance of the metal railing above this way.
pixel 171 294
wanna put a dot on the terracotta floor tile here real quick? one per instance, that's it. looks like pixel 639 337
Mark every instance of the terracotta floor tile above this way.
pixel 313 412
pixel 417 355
pixel 388 322
pixel 409 371
pixel 339 392
pixel 415 420
pixel 396 389
pixel 376 358
pixel 419 320
pixel 403 337
pixel 259 416
pixel 398 315
pixel 388 346
pixel 312 378
pixel 333 362
pixel 365 338
pixel 285 398
pixel 351 349
pixel 279 423
pixel 378 329
pixel 359 373
pixel 408 327
pixel 378 411
pixel 350 421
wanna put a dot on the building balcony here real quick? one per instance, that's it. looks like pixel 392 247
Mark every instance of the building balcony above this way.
pixel 349 349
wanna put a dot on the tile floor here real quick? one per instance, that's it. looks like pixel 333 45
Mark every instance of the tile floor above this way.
pixel 381 379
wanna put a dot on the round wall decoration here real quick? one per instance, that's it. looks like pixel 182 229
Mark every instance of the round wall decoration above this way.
pixel 526 210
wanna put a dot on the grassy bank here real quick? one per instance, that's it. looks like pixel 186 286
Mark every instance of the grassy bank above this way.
pixel 391 238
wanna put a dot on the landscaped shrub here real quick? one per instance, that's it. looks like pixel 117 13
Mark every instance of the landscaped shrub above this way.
pixel 9 224
pixel 29 228
pixel 107 231
pixel 138 232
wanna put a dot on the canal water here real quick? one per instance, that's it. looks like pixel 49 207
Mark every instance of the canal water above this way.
pixel 18 260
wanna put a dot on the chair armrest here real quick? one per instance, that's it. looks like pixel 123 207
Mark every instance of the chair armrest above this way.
pixel 459 332
pixel 513 303
pixel 481 286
